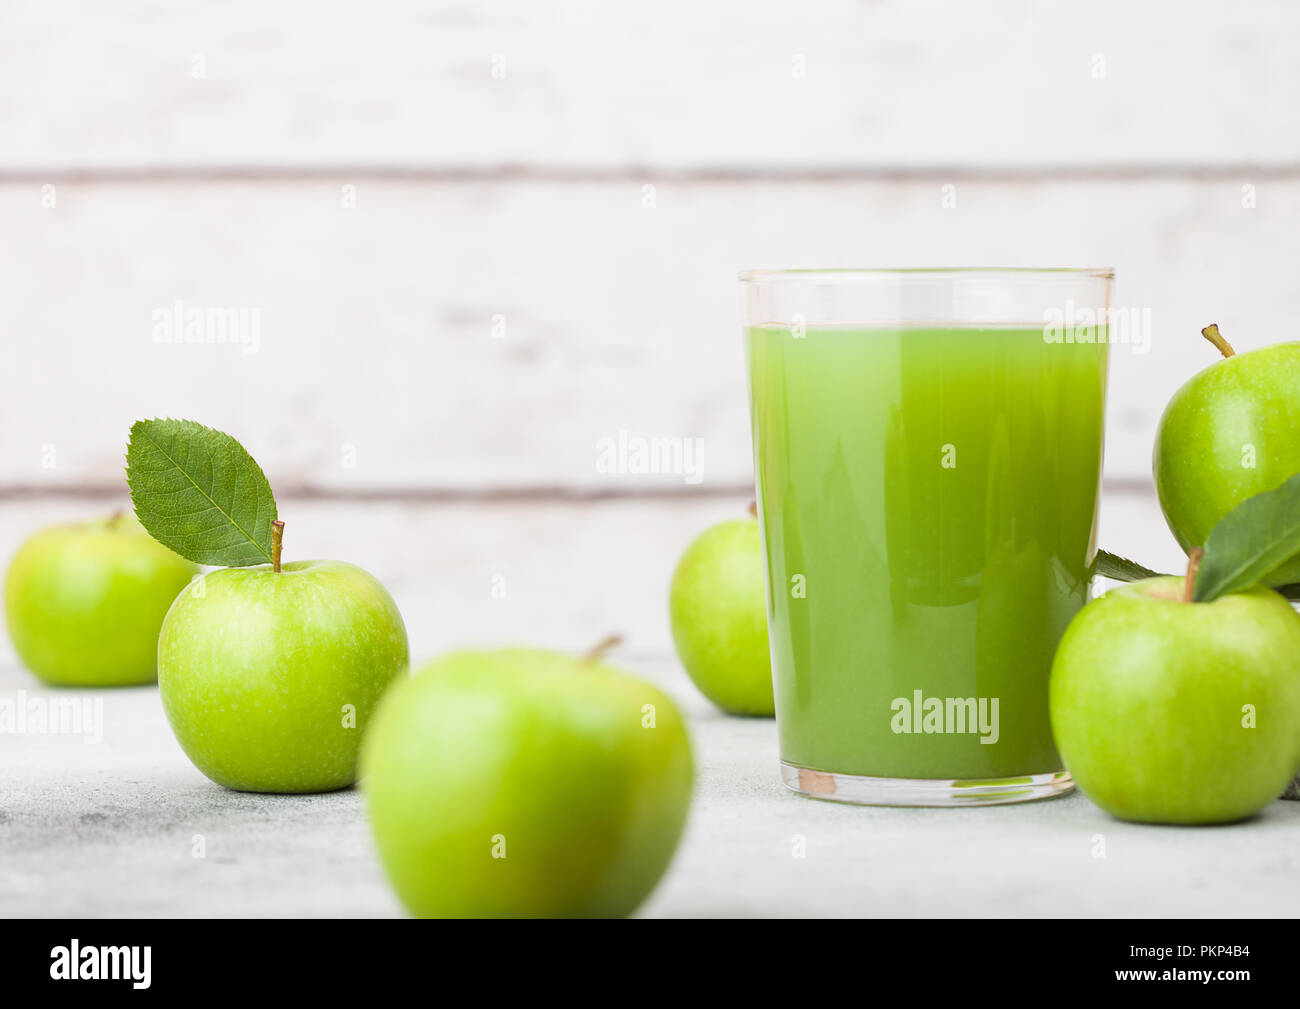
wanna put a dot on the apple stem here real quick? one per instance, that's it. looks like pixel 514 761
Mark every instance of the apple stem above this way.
pixel 277 543
pixel 1189 580
pixel 597 652
pixel 1211 333
pixel 115 518
pixel 753 509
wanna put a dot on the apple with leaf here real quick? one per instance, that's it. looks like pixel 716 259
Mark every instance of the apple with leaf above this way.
pixel 269 671
pixel 1177 699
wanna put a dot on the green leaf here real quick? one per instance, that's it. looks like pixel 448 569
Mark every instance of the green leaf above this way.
pixel 1121 569
pixel 200 493
pixel 1250 542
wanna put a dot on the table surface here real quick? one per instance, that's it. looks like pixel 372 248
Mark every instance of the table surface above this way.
pixel 112 828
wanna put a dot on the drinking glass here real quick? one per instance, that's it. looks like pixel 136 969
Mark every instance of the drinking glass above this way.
pixel 927 454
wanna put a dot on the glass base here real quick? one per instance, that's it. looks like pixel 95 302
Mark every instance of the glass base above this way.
pixel 864 791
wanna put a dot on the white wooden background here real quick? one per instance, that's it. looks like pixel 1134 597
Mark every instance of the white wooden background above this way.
pixel 501 296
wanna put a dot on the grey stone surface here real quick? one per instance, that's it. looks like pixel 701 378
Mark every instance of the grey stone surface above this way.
pixel 111 828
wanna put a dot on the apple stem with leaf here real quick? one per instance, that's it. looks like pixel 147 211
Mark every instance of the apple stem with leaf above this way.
pixel 1244 549
pixel 277 544
pixel 1211 333
pixel 1189 579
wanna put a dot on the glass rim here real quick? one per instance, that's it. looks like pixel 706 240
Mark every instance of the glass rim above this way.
pixel 870 273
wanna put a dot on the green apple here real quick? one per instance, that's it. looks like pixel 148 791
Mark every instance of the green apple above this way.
pixel 84 602
pixel 522 783
pixel 1231 432
pixel 719 618
pixel 1168 711
pixel 269 678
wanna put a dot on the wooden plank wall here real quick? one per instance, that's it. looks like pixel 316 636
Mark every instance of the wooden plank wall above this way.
pixel 478 238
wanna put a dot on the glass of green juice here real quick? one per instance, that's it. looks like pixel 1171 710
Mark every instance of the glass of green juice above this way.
pixel 927 454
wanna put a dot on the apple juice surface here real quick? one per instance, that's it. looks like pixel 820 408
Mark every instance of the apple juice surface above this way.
pixel 928 501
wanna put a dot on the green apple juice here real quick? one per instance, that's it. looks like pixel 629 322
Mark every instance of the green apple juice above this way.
pixel 928 500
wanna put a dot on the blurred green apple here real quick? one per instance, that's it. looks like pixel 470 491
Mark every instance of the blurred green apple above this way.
pixel 1168 711
pixel 718 613
pixel 1231 432
pixel 84 602
pixel 522 783
pixel 269 678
